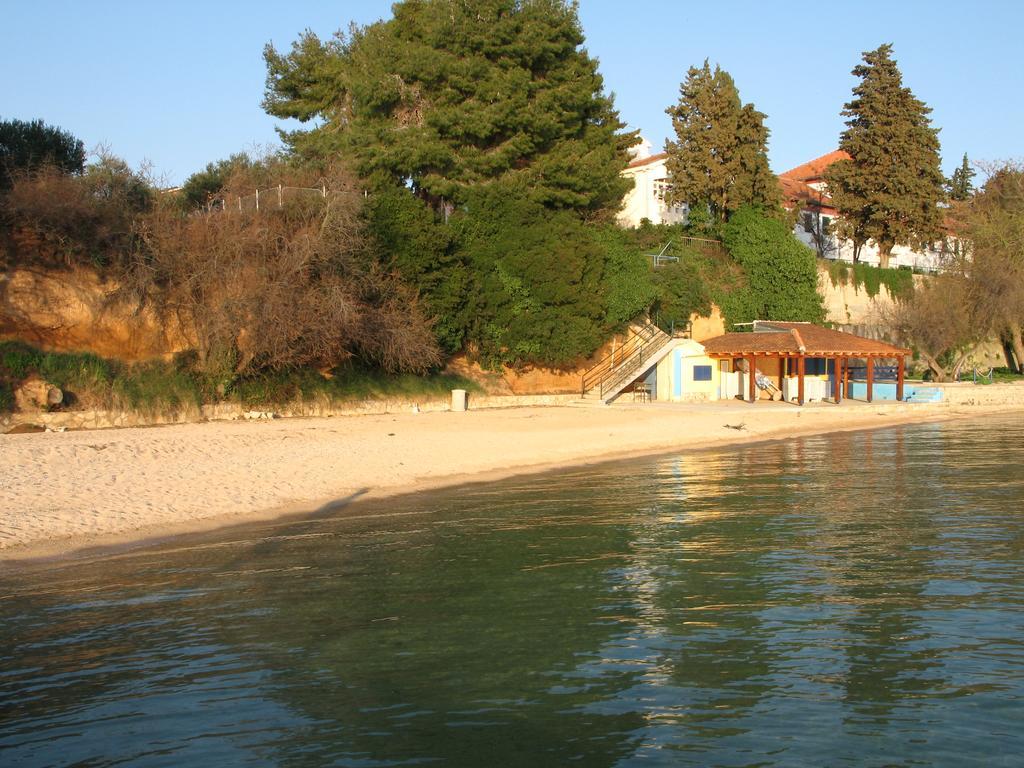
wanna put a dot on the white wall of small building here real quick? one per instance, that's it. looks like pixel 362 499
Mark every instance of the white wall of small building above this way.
pixel 929 260
pixel 646 199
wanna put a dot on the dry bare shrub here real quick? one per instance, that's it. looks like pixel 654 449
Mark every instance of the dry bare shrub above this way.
pixel 282 287
pixel 86 219
pixel 993 223
pixel 939 321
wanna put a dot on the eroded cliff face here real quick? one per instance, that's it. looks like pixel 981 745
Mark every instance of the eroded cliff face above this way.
pixel 73 310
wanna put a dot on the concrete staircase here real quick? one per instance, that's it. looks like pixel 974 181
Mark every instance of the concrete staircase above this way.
pixel 603 382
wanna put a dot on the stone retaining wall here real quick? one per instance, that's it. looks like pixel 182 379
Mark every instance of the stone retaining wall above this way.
pixel 954 394
pixel 968 393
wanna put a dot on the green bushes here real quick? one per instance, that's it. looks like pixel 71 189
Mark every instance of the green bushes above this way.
pixel 781 273
pixel 1004 375
pixel 537 277
pixel 681 291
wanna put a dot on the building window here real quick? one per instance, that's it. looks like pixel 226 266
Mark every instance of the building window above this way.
pixel 702 373
pixel 815 366
pixel 661 188
pixel 808 221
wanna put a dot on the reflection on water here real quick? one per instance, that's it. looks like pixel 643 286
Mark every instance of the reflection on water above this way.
pixel 851 599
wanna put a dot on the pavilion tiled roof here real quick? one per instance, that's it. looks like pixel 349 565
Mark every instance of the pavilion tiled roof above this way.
pixel 777 338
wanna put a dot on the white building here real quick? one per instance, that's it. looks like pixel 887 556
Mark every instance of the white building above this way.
pixel 650 184
pixel 803 187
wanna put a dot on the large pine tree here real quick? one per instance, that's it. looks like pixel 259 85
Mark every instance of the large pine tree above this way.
pixel 890 189
pixel 719 158
pixel 446 96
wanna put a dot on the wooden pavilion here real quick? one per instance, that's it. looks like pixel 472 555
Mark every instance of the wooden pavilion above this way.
pixel 788 346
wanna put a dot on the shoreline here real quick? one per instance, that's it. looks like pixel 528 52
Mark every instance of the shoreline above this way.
pixel 70 518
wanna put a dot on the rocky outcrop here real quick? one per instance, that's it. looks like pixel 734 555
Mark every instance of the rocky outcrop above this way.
pixel 37 395
pixel 74 310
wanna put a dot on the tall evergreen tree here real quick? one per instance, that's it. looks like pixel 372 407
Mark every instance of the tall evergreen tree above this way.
pixel 960 186
pixel 719 158
pixel 889 191
pixel 446 96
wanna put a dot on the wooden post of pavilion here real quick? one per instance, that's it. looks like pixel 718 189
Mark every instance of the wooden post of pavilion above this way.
pixel 751 374
pixel 800 379
pixel 838 371
pixel 901 364
pixel 871 377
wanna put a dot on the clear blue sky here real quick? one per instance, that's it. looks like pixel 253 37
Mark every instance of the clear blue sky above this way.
pixel 179 84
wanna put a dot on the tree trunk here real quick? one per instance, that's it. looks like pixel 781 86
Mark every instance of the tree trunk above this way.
pixel 1017 342
pixel 933 365
pixel 959 364
pixel 1012 364
pixel 884 252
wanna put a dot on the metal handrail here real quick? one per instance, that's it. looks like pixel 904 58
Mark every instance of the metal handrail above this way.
pixel 623 361
pixel 608 362
pixel 631 365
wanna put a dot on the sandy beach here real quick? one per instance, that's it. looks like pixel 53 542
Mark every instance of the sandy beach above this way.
pixel 61 492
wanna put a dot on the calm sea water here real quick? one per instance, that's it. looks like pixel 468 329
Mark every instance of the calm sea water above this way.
pixel 855 599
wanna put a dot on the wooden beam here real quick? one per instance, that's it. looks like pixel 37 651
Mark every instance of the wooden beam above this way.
pixel 901 364
pixel 837 389
pixel 751 374
pixel 871 378
pixel 800 379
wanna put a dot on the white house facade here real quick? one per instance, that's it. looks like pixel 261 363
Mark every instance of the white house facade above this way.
pixel 650 184
pixel 802 187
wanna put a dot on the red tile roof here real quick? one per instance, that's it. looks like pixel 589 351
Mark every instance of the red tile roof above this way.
pixel 774 338
pixel 798 193
pixel 648 160
pixel 814 169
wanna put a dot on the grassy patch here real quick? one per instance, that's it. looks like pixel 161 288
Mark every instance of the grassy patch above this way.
pixel 6 397
pixel 156 388
pixel 345 385
pixel 88 379
pixel 169 387
pixel 18 360
pixel 1004 375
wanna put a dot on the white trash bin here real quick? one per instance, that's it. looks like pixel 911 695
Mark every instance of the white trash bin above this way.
pixel 458 399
